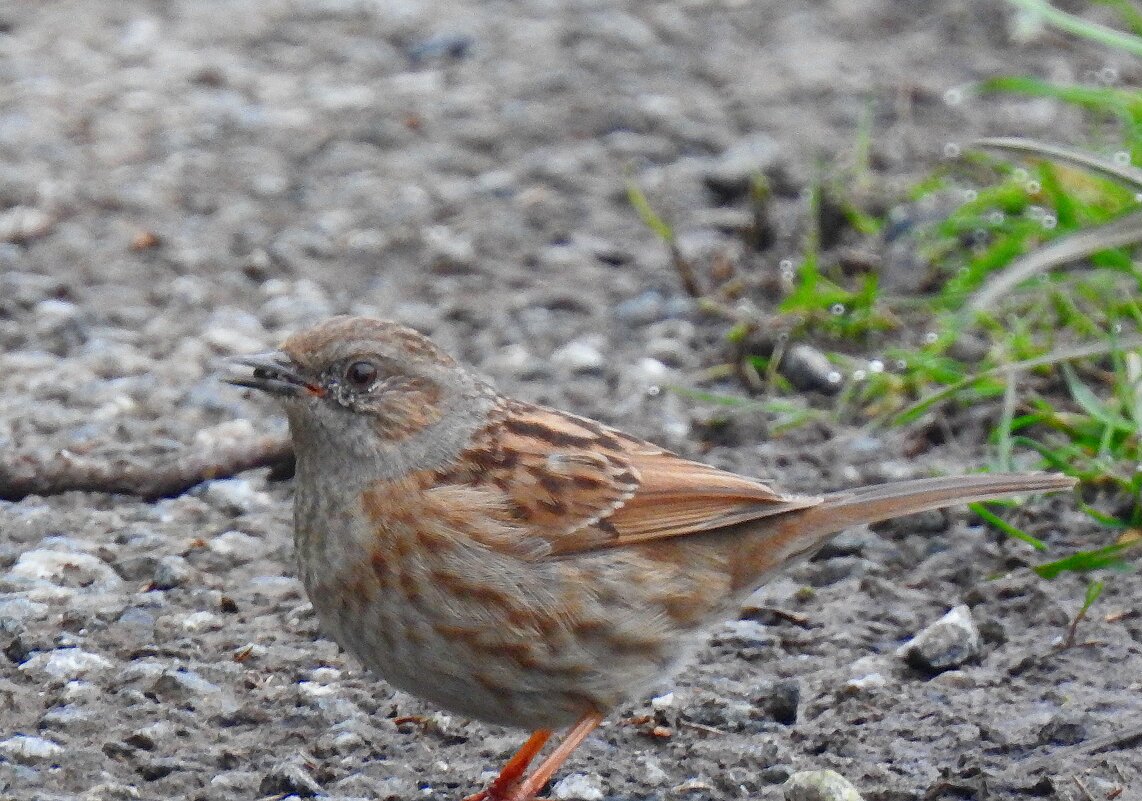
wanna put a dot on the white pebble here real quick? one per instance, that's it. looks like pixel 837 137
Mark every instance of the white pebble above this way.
pixel 201 621
pixel 578 356
pixel 578 786
pixel 819 785
pixel 65 663
pixel 25 749
pixel 59 567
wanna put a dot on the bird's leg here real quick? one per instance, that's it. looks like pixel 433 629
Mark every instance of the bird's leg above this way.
pixel 513 769
pixel 526 790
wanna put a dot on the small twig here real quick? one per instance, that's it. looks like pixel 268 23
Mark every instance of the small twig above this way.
pixel 1079 783
pixel 804 621
pixel 797 619
pixel 1121 232
pixel 701 727
pixel 748 375
pixel 1072 630
pixel 685 270
pixel 1125 738
pixel 62 471
pixel 1093 590
pixel 1015 144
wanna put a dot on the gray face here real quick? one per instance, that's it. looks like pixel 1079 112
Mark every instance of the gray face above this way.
pixel 368 400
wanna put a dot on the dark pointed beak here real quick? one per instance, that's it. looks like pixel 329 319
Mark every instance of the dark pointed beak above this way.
pixel 273 372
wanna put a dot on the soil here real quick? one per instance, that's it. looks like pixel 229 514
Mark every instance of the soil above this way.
pixel 184 181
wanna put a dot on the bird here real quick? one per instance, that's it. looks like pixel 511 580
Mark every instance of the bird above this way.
pixel 521 565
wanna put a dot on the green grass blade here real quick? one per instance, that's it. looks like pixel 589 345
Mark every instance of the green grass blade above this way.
pixel 1081 27
pixel 1086 561
pixel 648 215
pixel 1008 529
pixel 1055 357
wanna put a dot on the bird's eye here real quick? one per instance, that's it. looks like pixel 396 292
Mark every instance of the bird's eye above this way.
pixel 361 374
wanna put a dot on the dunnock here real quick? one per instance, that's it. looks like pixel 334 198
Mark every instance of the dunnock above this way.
pixel 518 564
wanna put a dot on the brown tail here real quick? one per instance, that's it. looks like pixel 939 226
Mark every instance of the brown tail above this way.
pixel 775 541
pixel 839 510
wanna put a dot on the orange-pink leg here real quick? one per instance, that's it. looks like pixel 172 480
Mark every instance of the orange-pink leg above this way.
pixel 513 769
pixel 527 789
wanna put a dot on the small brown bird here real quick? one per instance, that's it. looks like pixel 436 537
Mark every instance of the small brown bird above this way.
pixel 517 564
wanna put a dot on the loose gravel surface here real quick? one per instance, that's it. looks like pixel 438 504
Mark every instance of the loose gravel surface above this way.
pixel 184 181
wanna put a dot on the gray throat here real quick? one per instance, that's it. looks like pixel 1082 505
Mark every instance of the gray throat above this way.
pixel 345 449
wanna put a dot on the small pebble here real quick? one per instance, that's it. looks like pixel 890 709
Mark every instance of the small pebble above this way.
pixel 20 224
pixel 819 785
pixel 579 356
pixel 948 643
pixel 182 685
pixel 30 750
pixel 64 663
pixel 235 495
pixel 653 773
pixel 809 370
pixel 235 784
pixel 16 610
pixel 517 361
pixel 729 176
pixel 745 634
pixel 240 548
pixel 449 46
pixel 869 681
pixel 1065 728
pixel 447 250
pixel 73 719
pixel 649 307
pixel 171 572
pixel 671 352
pixel 578 787
pixel 197 622
pixel 64 569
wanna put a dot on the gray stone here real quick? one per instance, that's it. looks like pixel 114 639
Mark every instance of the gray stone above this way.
pixel 64 664
pixel 235 495
pixel 579 356
pixel 819 785
pixel 64 569
pixel 949 642
pixel 30 750
pixel 643 309
pixel 181 685
pixel 729 176
pixel 72 718
pixel 171 572
pixel 239 548
pixel 1065 728
pixel 578 787
pixel 15 611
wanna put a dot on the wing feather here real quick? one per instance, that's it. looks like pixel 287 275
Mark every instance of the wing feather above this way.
pixel 581 485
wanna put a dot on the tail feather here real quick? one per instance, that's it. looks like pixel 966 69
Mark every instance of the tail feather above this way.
pixel 773 542
pixel 872 504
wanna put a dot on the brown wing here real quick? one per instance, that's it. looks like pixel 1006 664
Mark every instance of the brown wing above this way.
pixel 581 485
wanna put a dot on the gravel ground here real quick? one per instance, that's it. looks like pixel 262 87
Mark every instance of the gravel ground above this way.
pixel 183 181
